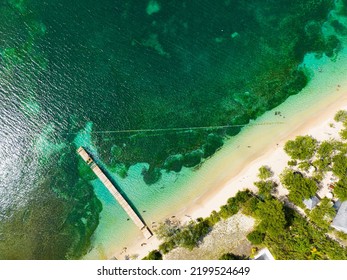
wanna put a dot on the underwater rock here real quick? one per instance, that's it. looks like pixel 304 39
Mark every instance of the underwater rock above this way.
pixel 193 158
pixel 151 175
pixel 174 163
pixel 153 7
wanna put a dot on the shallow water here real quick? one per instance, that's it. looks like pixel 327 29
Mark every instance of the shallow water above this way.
pixel 68 70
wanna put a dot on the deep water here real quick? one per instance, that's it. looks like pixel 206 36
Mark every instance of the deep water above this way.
pixel 132 64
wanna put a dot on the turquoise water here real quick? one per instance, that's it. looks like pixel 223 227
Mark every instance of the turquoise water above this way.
pixel 69 71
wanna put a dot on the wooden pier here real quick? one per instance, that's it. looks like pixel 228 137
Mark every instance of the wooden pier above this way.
pixel 112 189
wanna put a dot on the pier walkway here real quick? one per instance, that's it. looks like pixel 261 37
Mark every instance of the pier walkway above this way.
pixel 112 189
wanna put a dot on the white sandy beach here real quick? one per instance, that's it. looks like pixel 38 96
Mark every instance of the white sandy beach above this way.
pixel 235 166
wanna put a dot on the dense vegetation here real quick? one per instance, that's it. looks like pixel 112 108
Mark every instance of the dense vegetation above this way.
pixel 307 153
pixel 302 148
pixel 189 236
pixel 323 214
pixel 300 240
pixel 290 236
pixel 266 187
pixel 287 234
pixel 300 187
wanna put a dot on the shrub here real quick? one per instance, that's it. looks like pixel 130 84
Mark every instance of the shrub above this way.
pixel 341 235
pixel 256 237
pixel 240 197
pixel 167 229
pixel 250 206
pixel 226 211
pixel 213 218
pixel 191 235
pixel 264 172
pixel 265 188
pixel 166 247
pixel 318 176
pixel 231 256
pixel 234 203
pixel 304 166
pixel 154 255
pixel 292 163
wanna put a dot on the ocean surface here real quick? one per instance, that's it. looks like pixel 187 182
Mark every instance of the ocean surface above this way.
pixel 110 76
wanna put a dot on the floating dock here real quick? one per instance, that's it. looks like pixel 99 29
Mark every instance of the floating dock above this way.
pixel 112 189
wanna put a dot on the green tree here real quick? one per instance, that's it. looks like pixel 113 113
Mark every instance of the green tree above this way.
pixel 234 203
pixel 250 206
pixel 302 148
pixel 340 165
pixel 340 189
pixel 341 116
pixel 264 172
pixel 327 148
pixel 322 214
pixel 322 164
pixel 292 163
pixel 265 188
pixel 299 187
pixel 272 217
pixel 213 218
pixel 304 166
pixel 228 210
pixel 301 240
pixel 343 133
pixel 192 234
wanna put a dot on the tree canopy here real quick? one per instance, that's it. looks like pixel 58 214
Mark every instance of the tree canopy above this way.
pixel 322 214
pixel 340 189
pixel 341 116
pixel 302 148
pixel 272 217
pixel 340 165
pixel 299 187
pixel 265 188
pixel 264 172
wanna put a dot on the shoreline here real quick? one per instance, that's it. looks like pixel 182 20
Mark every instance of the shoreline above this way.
pixel 235 166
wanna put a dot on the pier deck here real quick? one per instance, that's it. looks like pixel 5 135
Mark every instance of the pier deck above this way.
pixel 117 195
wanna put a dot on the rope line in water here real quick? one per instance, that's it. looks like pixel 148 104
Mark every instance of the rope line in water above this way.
pixel 179 128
